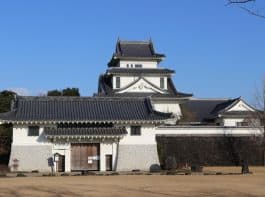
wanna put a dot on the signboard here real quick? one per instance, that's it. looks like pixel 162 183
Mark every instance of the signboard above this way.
pixel 50 162
pixel 90 161
pixel 96 157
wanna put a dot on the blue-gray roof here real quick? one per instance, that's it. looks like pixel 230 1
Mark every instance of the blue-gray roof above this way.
pixel 82 109
pixel 207 110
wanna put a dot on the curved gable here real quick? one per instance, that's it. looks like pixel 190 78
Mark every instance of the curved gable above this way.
pixel 142 85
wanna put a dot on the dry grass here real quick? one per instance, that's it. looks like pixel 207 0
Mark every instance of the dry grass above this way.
pixel 234 169
pixel 152 185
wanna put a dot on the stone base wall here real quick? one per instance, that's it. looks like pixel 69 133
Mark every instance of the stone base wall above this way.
pixel 136 157
pixel 30 158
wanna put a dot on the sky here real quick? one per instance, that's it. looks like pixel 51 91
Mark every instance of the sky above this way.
pixel 216 50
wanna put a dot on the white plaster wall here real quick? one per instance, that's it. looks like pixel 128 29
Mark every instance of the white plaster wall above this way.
pixel 241 106
pixel 126 80
pixel 231 121
pixel 146 64
pixel 142 86
pixel 179 130
pixel 147 136
pixel 167 107
pixel 20 136
pixel 107 148
pixel 63 149
pixel 156 81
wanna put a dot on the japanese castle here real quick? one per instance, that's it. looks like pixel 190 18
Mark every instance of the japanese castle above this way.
pixel 116 128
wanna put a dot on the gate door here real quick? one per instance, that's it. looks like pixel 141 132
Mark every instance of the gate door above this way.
pixel 84 157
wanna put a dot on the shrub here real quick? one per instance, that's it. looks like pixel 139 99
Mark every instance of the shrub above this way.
pixel 170 163
pixel 64 174
pixel 20 174
pixel 2 174
pixel 196 168
pixel 155 168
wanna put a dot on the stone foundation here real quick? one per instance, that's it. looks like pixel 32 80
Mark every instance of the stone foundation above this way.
pixel 30 158
pixel 136 157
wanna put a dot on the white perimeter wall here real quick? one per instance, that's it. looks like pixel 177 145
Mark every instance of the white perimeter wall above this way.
pixel 208 130
pixel 147 136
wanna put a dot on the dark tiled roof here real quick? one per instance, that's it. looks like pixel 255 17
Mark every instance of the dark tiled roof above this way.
pixel 202 110
pixel 105 90
pixel 134 49
pixel 220 107
pixel 206 110
pixel 83 109
pixel 132 71
pixel 106 131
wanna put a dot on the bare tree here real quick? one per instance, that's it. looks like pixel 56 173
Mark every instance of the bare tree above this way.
pixel 260 103
pixel 253 7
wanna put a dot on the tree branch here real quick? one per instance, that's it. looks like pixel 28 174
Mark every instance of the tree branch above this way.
pixel 254 13
pixel 239 1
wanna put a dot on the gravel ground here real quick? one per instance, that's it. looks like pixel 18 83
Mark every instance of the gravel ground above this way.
pixel 137 185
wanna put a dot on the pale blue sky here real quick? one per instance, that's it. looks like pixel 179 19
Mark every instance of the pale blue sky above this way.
pixel 216 50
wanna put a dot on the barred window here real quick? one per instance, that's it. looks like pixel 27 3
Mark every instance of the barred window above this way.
pixel 33 131
pixel 118 82
pixel 135 130
pixel 162 83
pixel 138 65
pixel 242 124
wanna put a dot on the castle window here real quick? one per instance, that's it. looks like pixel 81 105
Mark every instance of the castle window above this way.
pixel 138 65
pixel 33 131
pixel 135 130
pixel 118 82
pixel 162 83
pixel 242 124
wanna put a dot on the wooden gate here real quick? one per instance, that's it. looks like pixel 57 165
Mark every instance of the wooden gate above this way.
pixel 84 157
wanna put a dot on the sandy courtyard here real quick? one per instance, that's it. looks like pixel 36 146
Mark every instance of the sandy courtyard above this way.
pixel 136 185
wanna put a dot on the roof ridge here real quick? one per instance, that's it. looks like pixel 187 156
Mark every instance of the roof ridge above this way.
pixel 157 68
pixel 134 41
pixel 75 98
pixel 210 99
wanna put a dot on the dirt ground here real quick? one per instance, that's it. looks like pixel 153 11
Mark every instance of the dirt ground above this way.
pixel 138 185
